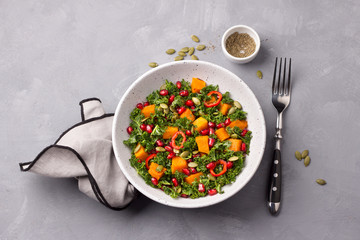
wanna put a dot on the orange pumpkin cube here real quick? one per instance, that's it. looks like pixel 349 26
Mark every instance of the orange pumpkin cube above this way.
pixel 178 164
pixel 224 108
pixel 169 132
pixel 242 124
pixel 197 84
pixel 141 154
pixel 222 134
pixel 196 176
pixel 203 144
pixel 152 171
pixel 235 144
pixel 148 110
pixel 188 114
pixel 200 124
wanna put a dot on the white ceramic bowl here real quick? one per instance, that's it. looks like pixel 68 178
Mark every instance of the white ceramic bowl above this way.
pixel 240 29
pixel 175 71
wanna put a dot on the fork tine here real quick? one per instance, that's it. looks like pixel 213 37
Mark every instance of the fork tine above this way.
pixel 289 81
pixel 284 78
pixel 273 84
pixel 279 77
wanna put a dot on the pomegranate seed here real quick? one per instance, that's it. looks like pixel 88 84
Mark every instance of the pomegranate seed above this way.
pixel 189 160
pixel 159 143
pixel 189 103
pixel 201 187
pixel 197 155
pixel 211 131
pixel 204 132
pixel 211 124
pixel 171 155
pixel 211 142
pixel 149 128
pixel 229 165
pixel 154 181
pixel 143 127
pixel 153 151
pixel 181 110
pixel 243 133
pixel 164 92
pixel 151 125
pixel 171 99
pixel 188 133
pixel 220 125
pixel 139 106
pixel 175 182
pixel 184 93
pixel 192 107
pixel 168 148
pixel 184 195
pixel 210 165
pixel 186 171
pixel 146 104
pixel 129 130
pixel 227 122
pixel 212 192
pixel 139 161
pixel 243 147
pixel 193 170
pixel 178 84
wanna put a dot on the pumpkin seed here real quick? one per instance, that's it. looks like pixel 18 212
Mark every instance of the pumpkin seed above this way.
pixel 173 118
pixel 170 51
pixel 304 153
pixel 211 177
pixel 162 87
pixel 321 181
pixel 233 158
pixel 181 53
pixel 237 105
pixel 232 110
pixel 307 161
pixel 201 112
pixel 234 135
pixel 200 47
pixel 192 164
pixel 178 58
pixel 184 154
pixel 259 74
pixel 298 155
pixel 196 101
pixel 176 150
pixel 193 57
pixel 160 149
pixel 166 110
pixel 192 130
pixel 159 168
pixel 163 105
pixel 153 64
pixel 195 152
pixel 178 190
pixel 137 148
pixel 191 51
pixel 195 38
pixel 144 119
pixel 215 113
pixel 185 49
pixel 160 109
pixel 172 109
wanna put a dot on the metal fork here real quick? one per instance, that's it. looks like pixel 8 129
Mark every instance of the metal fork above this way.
pixel 281 89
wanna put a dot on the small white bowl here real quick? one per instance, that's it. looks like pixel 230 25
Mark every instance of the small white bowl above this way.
pixel 240 29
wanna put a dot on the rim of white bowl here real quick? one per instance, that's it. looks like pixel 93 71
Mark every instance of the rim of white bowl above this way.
pixel 226 35
pixel 210 201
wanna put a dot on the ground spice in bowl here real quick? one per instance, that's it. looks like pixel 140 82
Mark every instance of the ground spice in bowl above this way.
pixel 240 45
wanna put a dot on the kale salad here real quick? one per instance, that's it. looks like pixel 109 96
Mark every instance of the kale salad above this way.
pixel 188 139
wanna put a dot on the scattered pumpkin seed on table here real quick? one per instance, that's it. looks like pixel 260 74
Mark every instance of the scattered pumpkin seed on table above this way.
pixel 320 181
pixel 191 51
pixel 181 53
pixel 304 153
pixel 153 64
pixel 200 47
pixel 193 57
pixel 178 58
pixel 298 155
pixel 170 51
pixel 195 38
pixel 259 74
pixel 307 161
pixel 185 49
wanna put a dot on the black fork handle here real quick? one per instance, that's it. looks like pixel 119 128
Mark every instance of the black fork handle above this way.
pixel 274 191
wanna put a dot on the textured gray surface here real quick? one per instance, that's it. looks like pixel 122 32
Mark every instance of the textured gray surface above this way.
pixel 55 53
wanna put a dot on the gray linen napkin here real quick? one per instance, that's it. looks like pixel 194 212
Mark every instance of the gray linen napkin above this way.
pixel 85 151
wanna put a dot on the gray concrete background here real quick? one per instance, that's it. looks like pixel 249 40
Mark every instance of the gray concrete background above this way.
pixel 55 53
